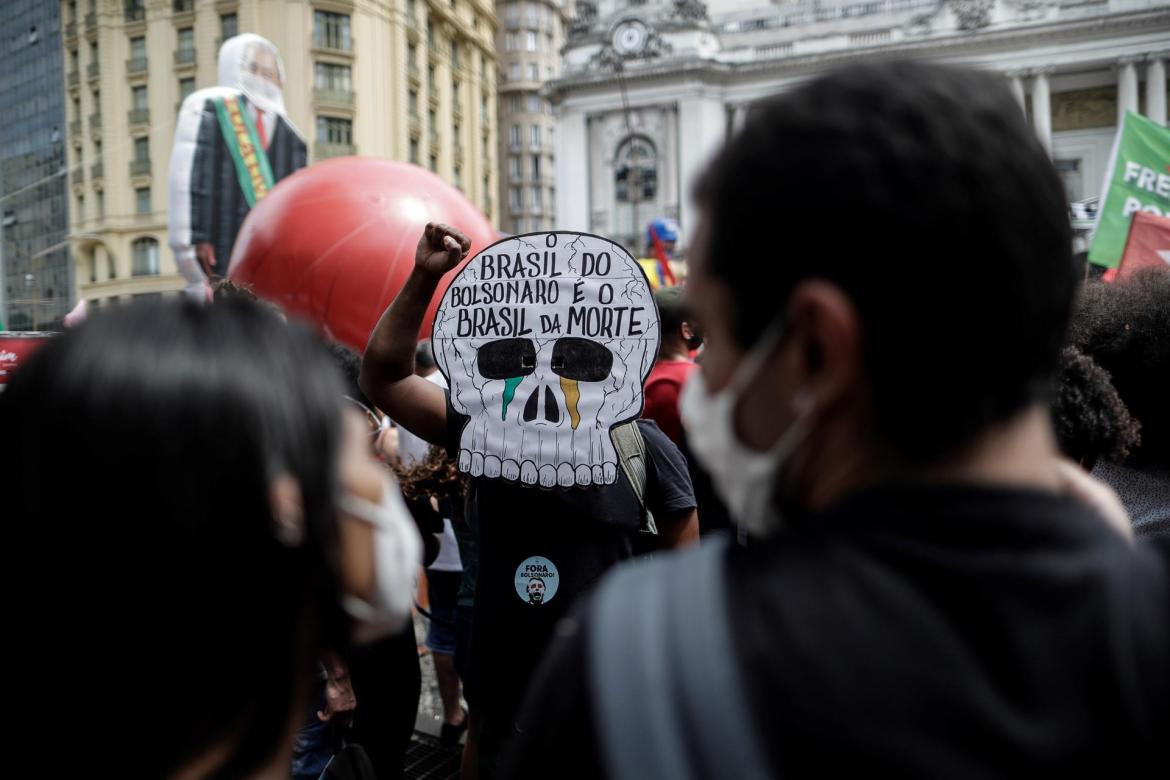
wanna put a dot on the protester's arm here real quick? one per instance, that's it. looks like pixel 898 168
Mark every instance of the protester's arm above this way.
pixel 669 492
pixel 387 377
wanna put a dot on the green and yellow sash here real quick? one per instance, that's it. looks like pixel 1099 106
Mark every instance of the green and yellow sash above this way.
pixel 252 167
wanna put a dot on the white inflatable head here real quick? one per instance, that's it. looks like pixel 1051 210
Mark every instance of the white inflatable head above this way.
pixel 252 64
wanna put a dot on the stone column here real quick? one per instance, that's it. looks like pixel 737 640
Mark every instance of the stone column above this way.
pixel 1127 87
pixel 1156 88
pixel 1017 86
pixel 1042 108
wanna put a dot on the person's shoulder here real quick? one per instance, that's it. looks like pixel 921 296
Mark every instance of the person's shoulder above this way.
pixel 654 437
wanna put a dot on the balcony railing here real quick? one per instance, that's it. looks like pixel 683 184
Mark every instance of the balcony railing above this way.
pixel 90 20
pixel 185 57
pixel 135 13
pixel 74 78
pixel 96 171
pixel 75 127
pixel 95 120
pixel 183 6
pixel 333 43
pixel 138 116
pixel 140 167
pixel 337 97
pixel 93 71
pixel 323 150
pixel 136 65
pixel 71 29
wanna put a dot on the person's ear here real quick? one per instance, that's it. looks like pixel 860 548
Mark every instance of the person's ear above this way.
pixel 288 510
pixel 826 329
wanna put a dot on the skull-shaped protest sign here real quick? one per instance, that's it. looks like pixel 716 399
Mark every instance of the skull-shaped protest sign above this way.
pixel 546 340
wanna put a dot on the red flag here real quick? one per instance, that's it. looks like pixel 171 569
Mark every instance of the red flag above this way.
pixel 663 263
pixel 1148 245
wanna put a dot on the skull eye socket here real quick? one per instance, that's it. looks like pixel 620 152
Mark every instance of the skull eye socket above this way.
pixel 581 360
pixel 507 358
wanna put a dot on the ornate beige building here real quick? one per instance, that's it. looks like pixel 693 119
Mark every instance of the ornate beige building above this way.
pixel 400 79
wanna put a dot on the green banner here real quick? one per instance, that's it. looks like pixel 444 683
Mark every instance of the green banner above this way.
pixel 252 167
pixel 1138 179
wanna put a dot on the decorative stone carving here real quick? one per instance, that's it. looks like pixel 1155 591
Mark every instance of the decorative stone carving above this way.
pixel 972 14
pixel 690 10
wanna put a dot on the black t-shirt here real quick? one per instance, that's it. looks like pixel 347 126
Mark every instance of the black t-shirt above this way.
pixel 923 632
pixel 549 546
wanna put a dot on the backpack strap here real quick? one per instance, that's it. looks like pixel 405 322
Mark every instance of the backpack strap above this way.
pixel 631 452
pixel 664 675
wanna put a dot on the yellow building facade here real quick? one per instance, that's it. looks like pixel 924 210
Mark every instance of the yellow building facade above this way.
pixel 411 80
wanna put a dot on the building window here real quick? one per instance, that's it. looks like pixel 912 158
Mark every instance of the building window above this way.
pixel 636 171
pixel 186 87
pixel 536 167
pixel 514 167
pixel 412 102
pixel 144 252
pixel 142 200
pixel 138 48
pixel 534 104
pixel 533 72
pixel 510 42
pixel 414 150
pixel 187 42
pixel 337 78
pixel 455 55
pixel 514 104
pixel 456 96
pixel 514 198
pixel 529 41
pixel 229 26
pixel 81 208
pixel 331 31
pixel 535 133
pixel 536 199
pixel 430 34
pixel 514 136
pixel 334 130
pixel 101 204
pixel 458 175
pixel 514 71
pixel 140 100
pixel 434 163
pixel 141 149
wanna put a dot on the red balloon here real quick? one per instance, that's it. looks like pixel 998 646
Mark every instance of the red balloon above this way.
pixel 335 242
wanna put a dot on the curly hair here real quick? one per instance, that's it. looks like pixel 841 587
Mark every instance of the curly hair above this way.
pixel 1090 419
pixel 1125 328
pixel 435 476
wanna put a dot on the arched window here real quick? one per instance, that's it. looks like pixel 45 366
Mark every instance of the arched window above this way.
pixel 636 170
pixel 145 254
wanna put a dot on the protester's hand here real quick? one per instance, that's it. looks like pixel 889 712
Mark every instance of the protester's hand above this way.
pixel 1083 486
pixel 205 253
pixel 340 701
pixel 441 248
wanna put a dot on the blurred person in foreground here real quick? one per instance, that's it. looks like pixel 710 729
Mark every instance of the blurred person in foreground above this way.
pixel 1125 328
pixel 184 614
pixel 929 597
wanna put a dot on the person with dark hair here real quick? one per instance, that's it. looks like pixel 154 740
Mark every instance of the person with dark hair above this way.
pixel 929 596
pixel 1125 328
pixel 580 530
pixel 191 615
pixel 680 336
pixel 1090 420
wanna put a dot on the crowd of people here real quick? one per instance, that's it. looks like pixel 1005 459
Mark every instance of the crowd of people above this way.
pixel 899 501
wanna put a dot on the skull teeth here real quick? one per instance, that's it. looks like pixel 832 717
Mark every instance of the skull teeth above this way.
pixel 561 475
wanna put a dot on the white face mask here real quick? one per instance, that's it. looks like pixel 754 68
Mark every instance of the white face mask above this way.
pixel 262 92
pixel 744 478
pixel 397 555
